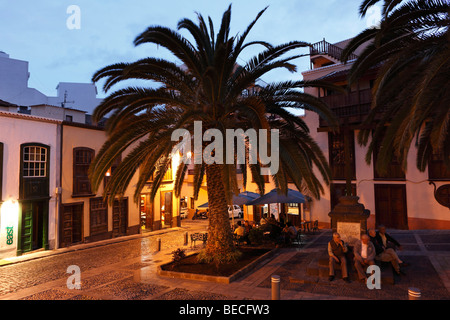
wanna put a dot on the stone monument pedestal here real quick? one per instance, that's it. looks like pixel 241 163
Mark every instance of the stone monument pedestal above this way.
pixel 349 219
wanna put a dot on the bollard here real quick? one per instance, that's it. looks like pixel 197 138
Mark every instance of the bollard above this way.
pixel 158 245
pixel 186 241
pixel 275 287
pixel 414 294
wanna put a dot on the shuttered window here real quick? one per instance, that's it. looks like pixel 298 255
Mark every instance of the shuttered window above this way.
pixel 337 158
pixel 82 158
pixel 436 167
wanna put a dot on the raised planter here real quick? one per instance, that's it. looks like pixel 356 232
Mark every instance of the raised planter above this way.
pixel 218 279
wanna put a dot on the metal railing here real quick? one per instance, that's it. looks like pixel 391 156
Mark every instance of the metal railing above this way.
pixel 353 105
pixel 324 47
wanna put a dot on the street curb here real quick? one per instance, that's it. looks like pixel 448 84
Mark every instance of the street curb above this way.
pixel 84 246
pixel 219 279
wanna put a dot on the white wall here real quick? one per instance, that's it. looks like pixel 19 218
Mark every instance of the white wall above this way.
pixel 58 113
pixel 12 135
pixel 14 88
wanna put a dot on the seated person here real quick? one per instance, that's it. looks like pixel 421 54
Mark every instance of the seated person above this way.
pixel 263 221
pixel 386 240
pixel 247 226
pixel 289 232
pixel 273 220
pixel 240 232
pixel 385 255
pixel 389 242
pixel 364 252
pixel 337 250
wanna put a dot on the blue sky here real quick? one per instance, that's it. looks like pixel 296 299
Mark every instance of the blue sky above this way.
pixel 36 31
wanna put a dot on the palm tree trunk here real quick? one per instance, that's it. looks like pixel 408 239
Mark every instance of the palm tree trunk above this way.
pixel 219 247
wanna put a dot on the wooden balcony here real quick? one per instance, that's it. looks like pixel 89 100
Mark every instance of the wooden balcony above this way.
pixel 350 108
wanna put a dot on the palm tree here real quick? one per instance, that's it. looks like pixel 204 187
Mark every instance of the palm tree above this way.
pixel 207 85
pixel 411 103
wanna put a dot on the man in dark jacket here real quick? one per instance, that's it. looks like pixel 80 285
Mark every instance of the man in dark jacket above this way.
pixel 337 250
pixel 385 255
pixel 386 240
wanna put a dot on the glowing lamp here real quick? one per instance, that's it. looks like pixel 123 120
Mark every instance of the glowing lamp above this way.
pixel 9 213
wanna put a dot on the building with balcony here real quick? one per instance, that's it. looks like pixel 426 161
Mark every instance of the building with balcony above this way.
pixel 399 199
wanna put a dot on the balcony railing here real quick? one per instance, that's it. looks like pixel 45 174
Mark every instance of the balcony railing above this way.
pixel 353 106
pixel 327 48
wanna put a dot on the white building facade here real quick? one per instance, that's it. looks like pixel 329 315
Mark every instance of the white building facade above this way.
pixel 29 172
pixel 14 88
pixel 400 199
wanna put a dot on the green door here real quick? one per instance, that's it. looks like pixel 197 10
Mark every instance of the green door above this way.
pixel 33 226
pixel 27 227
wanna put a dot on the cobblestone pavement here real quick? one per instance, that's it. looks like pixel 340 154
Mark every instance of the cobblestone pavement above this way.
pixel 100 264
pixel 126 270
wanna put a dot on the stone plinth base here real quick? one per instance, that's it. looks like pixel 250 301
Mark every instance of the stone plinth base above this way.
pixel 349 219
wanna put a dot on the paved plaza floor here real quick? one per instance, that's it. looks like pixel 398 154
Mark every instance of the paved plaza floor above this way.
pixel 125 269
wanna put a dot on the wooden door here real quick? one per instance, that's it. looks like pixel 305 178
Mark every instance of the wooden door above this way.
pixel 120 217
pixel 146 209
pixel 390 206
pixel 257 213
pixel 33 233
pixel 168 209
pixel 72 223
pixel 27 227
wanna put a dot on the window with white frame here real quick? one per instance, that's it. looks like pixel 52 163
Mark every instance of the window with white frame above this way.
pixel 34 161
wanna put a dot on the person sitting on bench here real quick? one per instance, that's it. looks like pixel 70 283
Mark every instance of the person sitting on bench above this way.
pixel 337 250
pixel 364 252
pixel 289 233
pixel 385 255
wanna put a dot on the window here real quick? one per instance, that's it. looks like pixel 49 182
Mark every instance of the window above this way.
pixel 394 168
pixel 34 161
pixel 337 155
pixel 69 118
pixel 98 216
pixel 293 208
pixel 436 167
pixel 34 171
pixel 82 158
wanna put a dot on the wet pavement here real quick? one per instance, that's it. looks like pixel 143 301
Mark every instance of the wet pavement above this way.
pixel 125 269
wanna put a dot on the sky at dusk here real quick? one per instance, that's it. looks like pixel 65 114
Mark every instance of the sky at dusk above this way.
pixel 37 31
